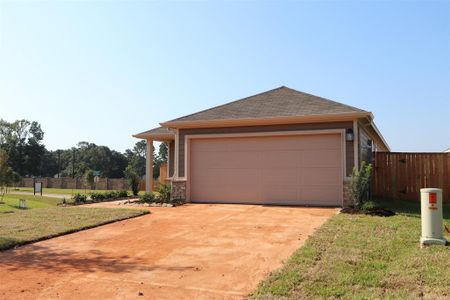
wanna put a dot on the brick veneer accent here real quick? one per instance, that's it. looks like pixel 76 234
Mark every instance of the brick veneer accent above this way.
pixel 178 190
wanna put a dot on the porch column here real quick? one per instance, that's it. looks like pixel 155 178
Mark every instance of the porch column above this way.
pixel 149 167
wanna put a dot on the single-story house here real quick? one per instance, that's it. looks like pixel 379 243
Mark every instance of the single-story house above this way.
pixel 281 147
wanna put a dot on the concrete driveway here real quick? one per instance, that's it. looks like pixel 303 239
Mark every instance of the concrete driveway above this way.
pixel 199 251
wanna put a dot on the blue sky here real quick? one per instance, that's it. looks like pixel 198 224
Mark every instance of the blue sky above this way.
pixel 100 71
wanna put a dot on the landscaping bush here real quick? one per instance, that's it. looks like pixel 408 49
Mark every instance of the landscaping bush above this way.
pixel 164 191
pixel 368 205
pixel 360 184
pixel 133 179
pixel 109 195
pixel 97 196
pixel 79 198
pixel 162 196
pixel 147 198
pixel 122 193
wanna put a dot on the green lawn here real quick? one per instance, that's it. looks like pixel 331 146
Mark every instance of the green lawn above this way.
pixel 363 257
pixel 12 202
pixel 61 191
pixel 57 191
pixel 25 226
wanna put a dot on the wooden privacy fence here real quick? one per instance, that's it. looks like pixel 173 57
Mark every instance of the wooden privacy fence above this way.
pixel 161 179
pixel 399 175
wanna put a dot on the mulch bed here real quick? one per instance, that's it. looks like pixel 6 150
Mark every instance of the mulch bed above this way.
pixel 380 212
pixel 89 201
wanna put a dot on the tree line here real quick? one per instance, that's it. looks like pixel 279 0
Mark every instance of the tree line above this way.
pixel 21 143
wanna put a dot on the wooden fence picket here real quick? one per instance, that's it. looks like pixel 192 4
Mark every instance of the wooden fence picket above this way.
pixel 399 175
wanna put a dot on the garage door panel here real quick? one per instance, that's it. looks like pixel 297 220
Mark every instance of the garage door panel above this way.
pixel 222 159
pixel 321 158
pixel 271 177
pixel 280 158
pixel 280 193
pixel 285 170
pixel 226 177
pixel 234 195
pixel 320 176
pixel 320 195
pixel 321 142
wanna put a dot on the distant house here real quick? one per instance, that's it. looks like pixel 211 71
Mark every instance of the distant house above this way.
pixel 448 150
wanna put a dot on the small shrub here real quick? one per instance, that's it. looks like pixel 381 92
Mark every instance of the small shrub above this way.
pixel 360 183
pixel 97 196
pixel 147 198
pixel 122 193
pixel 133 179
pixel 79 198
pixel 164 191
pixel 368 205
pixel 110 195
pixel 90 178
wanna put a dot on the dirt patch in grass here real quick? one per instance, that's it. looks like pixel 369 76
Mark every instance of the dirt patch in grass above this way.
pixel 26 226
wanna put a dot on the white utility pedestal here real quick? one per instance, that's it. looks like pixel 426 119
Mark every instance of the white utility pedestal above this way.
pixel 431 210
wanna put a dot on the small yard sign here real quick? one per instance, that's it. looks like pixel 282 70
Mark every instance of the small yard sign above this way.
pixel 38 188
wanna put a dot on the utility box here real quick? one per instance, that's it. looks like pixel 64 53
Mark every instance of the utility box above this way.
pixel 431 210
pixel 22 203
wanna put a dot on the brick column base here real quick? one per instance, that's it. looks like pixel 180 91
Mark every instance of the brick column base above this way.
pixel 178 190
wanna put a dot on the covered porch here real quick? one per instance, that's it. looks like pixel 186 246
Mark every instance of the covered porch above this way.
pixel 162 135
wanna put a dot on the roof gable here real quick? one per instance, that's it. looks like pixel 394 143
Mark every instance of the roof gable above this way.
pixel 279 102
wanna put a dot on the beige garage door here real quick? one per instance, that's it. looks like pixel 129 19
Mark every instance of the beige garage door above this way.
pixel 285 170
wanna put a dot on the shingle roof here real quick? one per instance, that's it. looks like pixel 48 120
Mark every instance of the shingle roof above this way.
pixel 279 102
pixel 155 131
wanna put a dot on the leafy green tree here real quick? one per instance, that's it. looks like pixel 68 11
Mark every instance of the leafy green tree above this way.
pixel 85 156
pixel 89 177
pixel 136 157
pixel 7 175
pixel 159 159
pixel 133 179
pixel 22 141
pixel 49 163
pixel 163 152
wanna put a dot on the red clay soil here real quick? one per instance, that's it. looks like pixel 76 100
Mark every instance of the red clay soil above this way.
pixel 196 251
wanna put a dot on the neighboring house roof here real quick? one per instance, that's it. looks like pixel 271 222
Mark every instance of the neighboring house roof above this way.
pixel 279 102
pixel 448 150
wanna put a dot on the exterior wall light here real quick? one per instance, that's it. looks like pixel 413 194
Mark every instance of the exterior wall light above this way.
pixel 349 136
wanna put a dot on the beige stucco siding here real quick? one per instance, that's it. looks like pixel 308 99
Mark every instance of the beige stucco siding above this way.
pixel 266 128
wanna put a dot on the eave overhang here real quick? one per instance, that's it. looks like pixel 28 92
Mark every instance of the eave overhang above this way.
pixel 266 121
